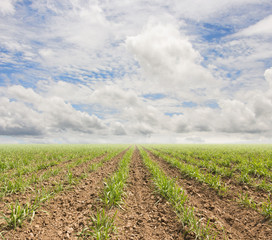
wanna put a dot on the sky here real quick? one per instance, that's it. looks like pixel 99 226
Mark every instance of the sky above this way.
pixel 111 71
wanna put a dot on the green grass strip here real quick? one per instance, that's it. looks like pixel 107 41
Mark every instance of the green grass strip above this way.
pixel 111 154
pixel 168 188
pixel 20 213
pixel 101 225
pixel 21 183
pixel 114 186
pixel 213 181
pixel 100 228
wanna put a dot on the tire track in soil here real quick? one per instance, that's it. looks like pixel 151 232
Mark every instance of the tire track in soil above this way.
pixel 238 222
pixel 69 212
pixel 145 215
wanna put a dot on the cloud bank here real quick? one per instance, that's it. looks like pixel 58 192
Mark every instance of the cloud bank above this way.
pixel 94 71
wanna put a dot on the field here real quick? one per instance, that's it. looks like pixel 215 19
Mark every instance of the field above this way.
pixel 135 192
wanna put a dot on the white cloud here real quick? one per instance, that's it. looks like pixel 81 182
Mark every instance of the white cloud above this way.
pixel 248 114
pixel 105 94
pixel 168 58
pixel 30 111
pixel 236 117
pixel 262 28
pixel 7 7
pixel 50 110
pixel 18 119
pixel 268 76
pixel 118 129
pixel 83 26
pixel 114 96
pixel 210 9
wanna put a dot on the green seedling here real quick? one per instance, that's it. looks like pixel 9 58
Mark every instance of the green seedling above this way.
pixel 13 186
pixel 267 208
pixel 244 177
pixel 176 196
pixel 18 215
pixel 101 227
pixel 114 186
pixel 247 201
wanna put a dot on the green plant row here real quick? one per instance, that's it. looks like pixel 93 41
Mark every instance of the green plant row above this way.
pixel 246 171
pixel 265 208
pixel 177 197
pixel 21 212
pixel 210 165
pixel 102 225
pixel 114 186
pixel 255 159
pixel 21 183
pixel 213 181
pixel 110 155
pixel 23 159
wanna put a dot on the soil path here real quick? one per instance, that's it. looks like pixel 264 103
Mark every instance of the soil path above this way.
pixel 145 215
pixel 69 212
pixel 238 222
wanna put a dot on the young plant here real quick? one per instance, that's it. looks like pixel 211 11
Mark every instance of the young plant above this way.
pixel 114 186
pixel 100 228
pixel 247 201
pixel 113 192
pixel 267 208
pixel 18 215
pixel 58 188
pixel 13 186
pixel 244 177
pixel 70 178
pixel 176 196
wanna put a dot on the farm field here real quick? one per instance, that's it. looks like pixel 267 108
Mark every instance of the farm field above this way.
pixel 135 191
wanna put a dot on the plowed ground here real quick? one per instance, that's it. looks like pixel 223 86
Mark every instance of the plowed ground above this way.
pixel 230 219
pixel 144 214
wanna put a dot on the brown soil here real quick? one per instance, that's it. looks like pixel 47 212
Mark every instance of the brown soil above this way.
pixel 26 196
pixel 61 163
pixel 235 188
pixel 66 214
pixel 231 220
pixel 145 215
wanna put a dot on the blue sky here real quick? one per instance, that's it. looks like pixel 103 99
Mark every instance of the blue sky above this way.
pixel 85 71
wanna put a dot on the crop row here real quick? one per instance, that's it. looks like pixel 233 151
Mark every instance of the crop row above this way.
pixel 102 224
pixel 20 210
pixel 177 197
pixel 192 169
pixel 254 160
pixel 252 171
pixel 214 181
pixel 65 174
pixel 12 184
pixel 22 159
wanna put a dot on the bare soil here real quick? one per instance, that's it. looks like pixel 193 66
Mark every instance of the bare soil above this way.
pixel 145 215
pixel 67 213
pixel 26 196
pixel 235 188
